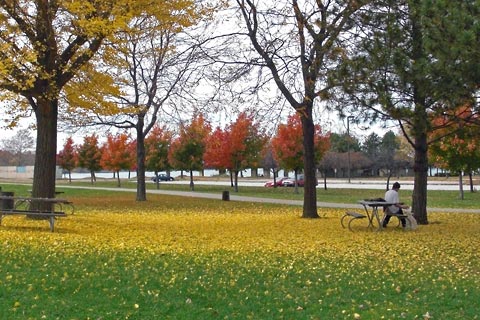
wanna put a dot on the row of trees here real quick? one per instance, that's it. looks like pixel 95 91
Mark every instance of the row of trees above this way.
pixel 243 145
pixel 239 146
pixel 410 61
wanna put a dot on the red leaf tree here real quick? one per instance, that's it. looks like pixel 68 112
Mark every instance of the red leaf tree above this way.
pixel 157 144
pixel 455 144
pixel 236 148
pixel 67 158
pixel 89 155
pixel 217 152
pixel 288 148
pixel 186 151
pixel 117 154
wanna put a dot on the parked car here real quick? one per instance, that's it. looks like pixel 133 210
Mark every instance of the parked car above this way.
pixel 300 181
pixel 278 182
pixel 162 177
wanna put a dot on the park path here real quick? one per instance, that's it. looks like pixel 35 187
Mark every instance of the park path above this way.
pixel 234 197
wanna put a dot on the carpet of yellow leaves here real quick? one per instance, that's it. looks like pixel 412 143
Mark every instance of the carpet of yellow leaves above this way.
pixel 442 253
pixel 182 227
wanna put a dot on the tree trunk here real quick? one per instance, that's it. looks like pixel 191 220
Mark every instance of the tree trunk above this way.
pixel 460 185
pixel 309 170
pixel 470 179
pixel 44 173
pixel 420 120
pixel 296 182
pixel 157 181
pixel 118 179
pixel 192 185
pixel 141 186
pixel 388 179
pixel 235 186
pixel 420 168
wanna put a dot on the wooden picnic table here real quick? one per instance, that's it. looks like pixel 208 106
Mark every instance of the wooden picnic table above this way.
pixel 34 207
pixel 59 203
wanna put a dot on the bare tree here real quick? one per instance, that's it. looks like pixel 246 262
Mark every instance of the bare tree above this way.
pixel 299 43
pixel 20 146
pixel 151 64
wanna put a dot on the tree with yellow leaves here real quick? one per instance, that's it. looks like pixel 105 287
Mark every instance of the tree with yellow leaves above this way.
pixel 44 45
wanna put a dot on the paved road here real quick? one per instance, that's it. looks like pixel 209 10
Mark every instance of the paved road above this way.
pixel 451 184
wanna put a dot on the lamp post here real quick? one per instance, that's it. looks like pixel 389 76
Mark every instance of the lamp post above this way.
pixel 348 146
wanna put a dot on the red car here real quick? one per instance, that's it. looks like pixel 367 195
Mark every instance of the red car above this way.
pixel 278 182
pixel 300 181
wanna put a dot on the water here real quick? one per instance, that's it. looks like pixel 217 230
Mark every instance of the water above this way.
pixel 149 174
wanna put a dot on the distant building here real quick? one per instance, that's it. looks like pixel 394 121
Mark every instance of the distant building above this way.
pixel 21 172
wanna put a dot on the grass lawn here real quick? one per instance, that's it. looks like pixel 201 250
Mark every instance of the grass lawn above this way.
pixel 186 258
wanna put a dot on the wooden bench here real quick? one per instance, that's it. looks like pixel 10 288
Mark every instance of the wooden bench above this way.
pixel 49 215
pixel 62 204
pixel 351 215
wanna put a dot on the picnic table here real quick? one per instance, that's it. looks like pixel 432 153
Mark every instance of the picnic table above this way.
pixel 371 214
pixel 42 208
pixel 61 204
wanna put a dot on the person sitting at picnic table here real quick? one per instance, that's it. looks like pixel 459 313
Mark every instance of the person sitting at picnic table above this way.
pixel 392 196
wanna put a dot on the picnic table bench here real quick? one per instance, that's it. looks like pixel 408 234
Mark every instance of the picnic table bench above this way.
pixel 60 204
pixel 351 216
pixel 23 206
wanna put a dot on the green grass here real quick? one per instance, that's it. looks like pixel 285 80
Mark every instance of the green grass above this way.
pixel 136 285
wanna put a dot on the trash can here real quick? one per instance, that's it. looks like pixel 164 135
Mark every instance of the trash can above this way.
pixel 7 203
pixel 225 196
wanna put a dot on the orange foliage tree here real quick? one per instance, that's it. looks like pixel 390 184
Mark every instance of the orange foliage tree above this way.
pixel 117 154
pixel 236 148
pixel 89 155
pixel 157 144
pixel 288 145
pixel 217 151
pixel 455 146
pixel 67 158
pixel 186 151
pixel 288 148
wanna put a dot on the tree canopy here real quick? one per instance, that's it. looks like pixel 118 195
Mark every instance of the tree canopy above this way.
pixel 45 45
pixel 410 66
